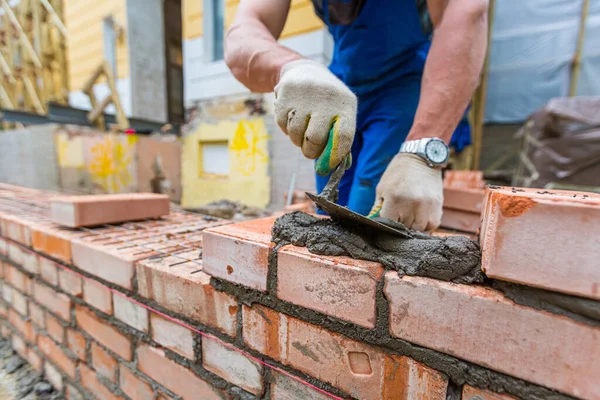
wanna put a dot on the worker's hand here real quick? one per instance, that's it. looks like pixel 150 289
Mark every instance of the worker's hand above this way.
pixel 410 192
pixel 309 103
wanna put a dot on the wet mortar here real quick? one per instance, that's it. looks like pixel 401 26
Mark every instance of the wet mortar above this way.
pixel 453 258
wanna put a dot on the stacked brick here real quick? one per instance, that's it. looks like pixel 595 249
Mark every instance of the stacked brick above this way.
pixel 463 200
pixel 183 307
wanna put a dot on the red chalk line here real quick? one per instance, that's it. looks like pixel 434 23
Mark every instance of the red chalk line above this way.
pixel 175 320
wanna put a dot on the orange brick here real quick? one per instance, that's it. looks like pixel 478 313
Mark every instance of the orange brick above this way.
pixel 19 345
pixel 17 230
pixel 98 296
pixel 152 362
pixel 232 366
pixel 1 269
pixel 19 302
pixel 58 303
pixel 546 239
pixel 104 363
pixel 35 360
pixel 55 328
pixel 93 210
pixel 469 200
pixel 76 343
pixel 133 386
pixel 70 282
pixel 3 310
pixel 172 336
pixel 104 262
pixel 51 241
pixel 338 286
pixel 110 337
pixel 471 393
pixel 167 285
pixel 25 327
pixel 57 356
pixel 239 252
pixel 38 316
pixel 455 319
pixel 364 371
pixel 460 220
pixel 464 179
pixel 48 271
pixel 90 381
pixel 18 279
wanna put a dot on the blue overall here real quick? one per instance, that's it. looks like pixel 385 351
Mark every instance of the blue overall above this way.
pixel 379 53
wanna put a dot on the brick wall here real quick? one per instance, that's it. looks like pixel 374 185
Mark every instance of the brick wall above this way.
pixel 140 311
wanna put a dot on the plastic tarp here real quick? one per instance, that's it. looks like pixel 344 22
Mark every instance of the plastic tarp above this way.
pixel 533 45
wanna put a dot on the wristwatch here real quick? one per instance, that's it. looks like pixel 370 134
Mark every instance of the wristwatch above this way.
pixel 433 150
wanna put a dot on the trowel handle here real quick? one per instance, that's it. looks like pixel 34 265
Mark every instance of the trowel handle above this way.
pixel 329 158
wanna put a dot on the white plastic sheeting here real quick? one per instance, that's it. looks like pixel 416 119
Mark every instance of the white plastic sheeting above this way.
pixel 533 45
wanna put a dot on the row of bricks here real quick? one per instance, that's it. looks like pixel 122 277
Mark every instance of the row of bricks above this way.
pixel 451 318
pixel 362 370
pixel 216 357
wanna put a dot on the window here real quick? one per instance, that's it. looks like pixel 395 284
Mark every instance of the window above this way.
pixel 214 159
pixel 214 29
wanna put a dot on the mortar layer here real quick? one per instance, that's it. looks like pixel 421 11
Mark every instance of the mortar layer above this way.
pixel 452 258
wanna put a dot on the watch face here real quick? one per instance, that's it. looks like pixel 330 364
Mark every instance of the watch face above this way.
pixel 437 151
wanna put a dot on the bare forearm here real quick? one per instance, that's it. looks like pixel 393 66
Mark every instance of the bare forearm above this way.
pixel 452 69
pixel 254 56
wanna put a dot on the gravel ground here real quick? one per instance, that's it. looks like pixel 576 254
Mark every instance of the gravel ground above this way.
pixel 19 381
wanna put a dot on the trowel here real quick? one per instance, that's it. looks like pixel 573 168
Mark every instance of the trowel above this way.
pixel 327 201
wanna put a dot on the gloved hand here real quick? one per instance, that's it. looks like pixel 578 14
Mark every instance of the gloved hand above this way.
pixel 410 192
pixel 309 103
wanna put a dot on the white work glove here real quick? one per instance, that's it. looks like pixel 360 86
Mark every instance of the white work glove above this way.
pixel 411 192
pixel 309 103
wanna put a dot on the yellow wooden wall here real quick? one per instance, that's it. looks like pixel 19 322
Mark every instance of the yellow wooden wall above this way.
pixel 301 19
pixel 84 22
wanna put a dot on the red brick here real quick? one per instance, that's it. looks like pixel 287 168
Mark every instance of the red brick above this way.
pixel 48 271
pixel 90 381
pixel 70 282
pixel 1 269
pixel 464 179
pixel 35 360
pixel 239 252
pixel 38 316
pixel 76 343
pixel 130 313
pixel 460 220
pixel 16 230
pixel 456 319
pixel 104 363
pixel 93 210
pixel 57 356
pixel 7 293
pixel 544 239
pixel 55 328
pixel 51 241
pixel 58 303
pixel 152 362
pixel 3 310
pixel 25 327
pixel 338 286
pixel 469 200
pixel 26 259
pixel 180 290
pixel 172 336
pixel 133 386
pixel 53 375
pixel 103 333
pixel 471 393
pixel 232 366
pixel 18 279
pixel 364 371
pixel 19 345
pixel 19 302
pixel 104 262
pixel 98 296
pixel 286 388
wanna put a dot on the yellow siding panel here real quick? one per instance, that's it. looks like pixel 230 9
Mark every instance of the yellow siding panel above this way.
pixel 302 19
pixel 84 22
pixel 191 18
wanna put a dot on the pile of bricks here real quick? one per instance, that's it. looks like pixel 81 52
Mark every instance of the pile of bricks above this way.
pixel 181 307
pixel 463 200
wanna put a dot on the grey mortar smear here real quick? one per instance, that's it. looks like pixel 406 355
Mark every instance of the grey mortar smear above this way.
pixel 452 258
